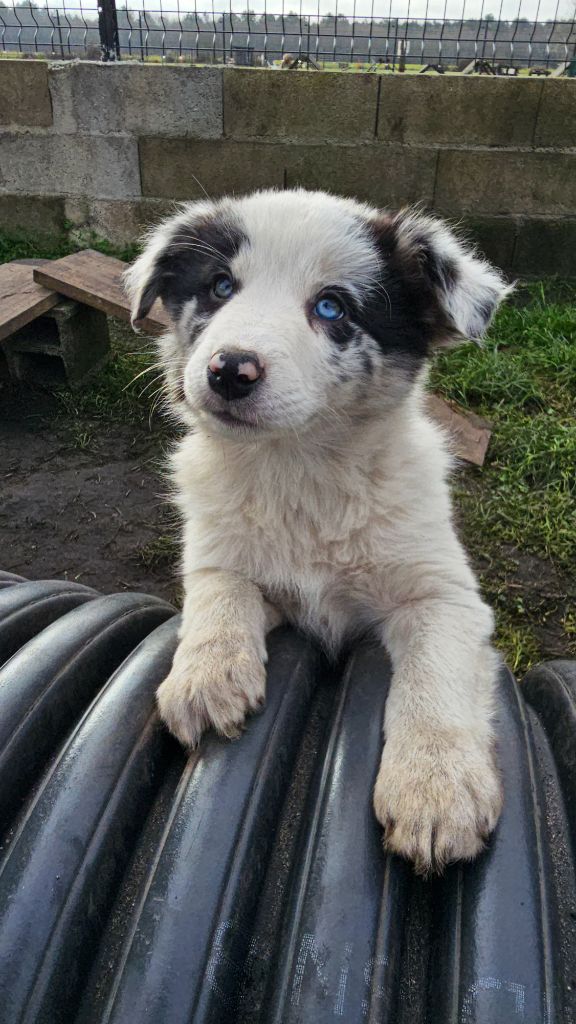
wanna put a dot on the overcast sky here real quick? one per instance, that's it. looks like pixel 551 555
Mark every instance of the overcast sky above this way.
pixel 541 10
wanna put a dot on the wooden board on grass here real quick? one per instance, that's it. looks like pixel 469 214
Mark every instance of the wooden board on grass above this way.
pixel 469 434
pixel 96 280
pixel 22 299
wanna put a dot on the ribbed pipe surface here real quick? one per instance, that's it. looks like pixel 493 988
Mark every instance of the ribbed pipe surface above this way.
pixel 246 883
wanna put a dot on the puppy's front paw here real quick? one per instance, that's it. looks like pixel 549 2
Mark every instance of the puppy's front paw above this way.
pixel 438 797
pixel 213 685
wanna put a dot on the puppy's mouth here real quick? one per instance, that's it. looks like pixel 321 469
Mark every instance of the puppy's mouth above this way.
pixel 231 420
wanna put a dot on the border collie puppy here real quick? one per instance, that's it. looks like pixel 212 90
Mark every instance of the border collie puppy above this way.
pixel 312 485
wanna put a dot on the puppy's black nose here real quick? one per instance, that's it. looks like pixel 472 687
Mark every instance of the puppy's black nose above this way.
pixel 234 375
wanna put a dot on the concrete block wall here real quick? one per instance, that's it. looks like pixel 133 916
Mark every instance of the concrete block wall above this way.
pixel 87 147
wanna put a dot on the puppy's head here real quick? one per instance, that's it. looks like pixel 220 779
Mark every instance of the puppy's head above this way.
pixel 296 309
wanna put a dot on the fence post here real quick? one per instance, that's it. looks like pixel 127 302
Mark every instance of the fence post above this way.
pixel 108 27
pixel 59 27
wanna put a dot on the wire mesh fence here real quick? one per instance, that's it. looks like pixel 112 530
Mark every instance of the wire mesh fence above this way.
pixel 181 31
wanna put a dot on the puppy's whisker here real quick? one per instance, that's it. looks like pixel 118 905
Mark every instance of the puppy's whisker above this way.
pixel 200 247
pixel 200 185
pixel 151 384
pixel 148 369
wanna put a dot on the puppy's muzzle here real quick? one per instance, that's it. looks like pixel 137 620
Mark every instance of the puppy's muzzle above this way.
pixel 234 375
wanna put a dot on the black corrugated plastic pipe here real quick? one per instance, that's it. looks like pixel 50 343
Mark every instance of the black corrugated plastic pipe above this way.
pixel 246 883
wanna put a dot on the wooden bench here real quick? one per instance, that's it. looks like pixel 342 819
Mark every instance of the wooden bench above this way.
pixel 45 338
pixel 22 299
pixel 96 280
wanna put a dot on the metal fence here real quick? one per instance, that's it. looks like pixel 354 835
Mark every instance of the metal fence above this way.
pixel 180 32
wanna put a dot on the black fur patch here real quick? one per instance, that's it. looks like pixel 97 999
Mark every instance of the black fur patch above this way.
pixel 441 271
pixel 343 332
pixel 367 364
pixel 404 313
pixel 186 268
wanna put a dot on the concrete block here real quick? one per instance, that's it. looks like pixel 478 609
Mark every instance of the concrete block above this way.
pixel 183 169
pixel 66 345
pixel 546 246
pixel 299 106
pixel 137 99
pixel 4 368
pixel 121 221
pixel 556 124
pixel 24 93
pixel 494 237
pixel 421 109
pixel 34 215
pixel 104 167
pixel 389 176
pixel 505 182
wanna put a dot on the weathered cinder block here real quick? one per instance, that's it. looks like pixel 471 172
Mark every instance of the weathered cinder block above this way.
pixel 505 182
pixel 546 246
pixel 183 169
pixel 384 175
pixel 121 221
pixel 24 93
pixel 486 111
pixel 34 215
pixel 65 345
pixel 494 237
pixel 137 99
pixel 105 167
pixel 556 125
pixel 299 106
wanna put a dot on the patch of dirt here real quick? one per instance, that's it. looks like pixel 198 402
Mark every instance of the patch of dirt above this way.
pixel 86 508
pixel 536 593
pixel 547 595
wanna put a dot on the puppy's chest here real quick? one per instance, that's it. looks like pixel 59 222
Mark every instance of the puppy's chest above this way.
pixel 287 541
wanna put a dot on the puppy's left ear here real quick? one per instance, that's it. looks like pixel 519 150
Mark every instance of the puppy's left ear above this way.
pixel 456 290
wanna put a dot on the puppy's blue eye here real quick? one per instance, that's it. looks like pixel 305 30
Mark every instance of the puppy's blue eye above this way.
pixel 329 308
pixel 223 287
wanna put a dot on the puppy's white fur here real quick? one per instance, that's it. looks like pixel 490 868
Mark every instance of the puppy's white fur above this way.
pixel 326 502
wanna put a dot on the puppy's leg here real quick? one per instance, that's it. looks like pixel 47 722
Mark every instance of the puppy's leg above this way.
pixel 438 792
pixel 218 673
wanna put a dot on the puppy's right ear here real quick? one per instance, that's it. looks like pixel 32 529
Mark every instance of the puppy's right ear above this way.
pixel 143 280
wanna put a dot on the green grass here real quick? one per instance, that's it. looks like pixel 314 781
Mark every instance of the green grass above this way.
pixel 524 381
pixel 523 501
pixel 21 247
pixel 161 553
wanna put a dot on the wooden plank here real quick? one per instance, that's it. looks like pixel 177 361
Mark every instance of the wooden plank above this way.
pixel 22 299
pixel 469 434
pixel 96 280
